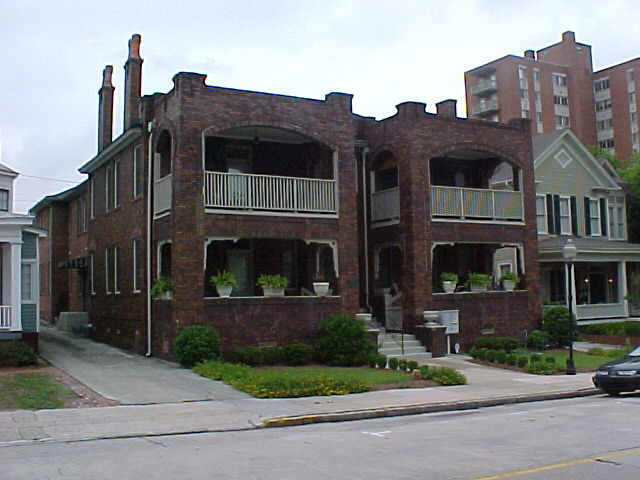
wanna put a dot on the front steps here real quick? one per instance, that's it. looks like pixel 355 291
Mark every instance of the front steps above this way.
pixel 390 344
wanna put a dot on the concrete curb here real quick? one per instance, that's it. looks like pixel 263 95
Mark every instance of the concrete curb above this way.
pixel 416 409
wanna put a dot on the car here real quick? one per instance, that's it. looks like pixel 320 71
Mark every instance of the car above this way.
pixel 622 375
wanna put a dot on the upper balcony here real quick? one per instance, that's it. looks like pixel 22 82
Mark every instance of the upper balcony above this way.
pixel 485 106
pixel 268 171
pixel 484 86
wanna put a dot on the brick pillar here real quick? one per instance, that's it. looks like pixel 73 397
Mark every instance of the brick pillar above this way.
pixel 132 83
pixel 105 109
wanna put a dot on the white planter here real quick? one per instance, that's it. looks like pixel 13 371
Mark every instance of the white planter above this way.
pixel 509 285
pixel 321 288
pixel 478 288
pixel 273 292
pixel 449 287
pixel 224 291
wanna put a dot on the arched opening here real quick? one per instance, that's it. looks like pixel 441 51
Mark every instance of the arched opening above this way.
pixel 384 187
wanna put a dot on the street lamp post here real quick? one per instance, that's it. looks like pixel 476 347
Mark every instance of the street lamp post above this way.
pixel 569 252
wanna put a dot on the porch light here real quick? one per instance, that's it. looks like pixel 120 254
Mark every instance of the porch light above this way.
pixel 570 252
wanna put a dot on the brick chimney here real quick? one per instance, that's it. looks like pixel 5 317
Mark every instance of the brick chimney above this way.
pixel 411 110
pixel 132 83
pixel 569 36
pixel 447 109
pixel 105 109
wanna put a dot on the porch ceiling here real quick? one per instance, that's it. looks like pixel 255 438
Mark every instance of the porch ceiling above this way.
pixel 264 134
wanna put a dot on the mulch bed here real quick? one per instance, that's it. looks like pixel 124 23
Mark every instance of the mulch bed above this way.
pixel 84 396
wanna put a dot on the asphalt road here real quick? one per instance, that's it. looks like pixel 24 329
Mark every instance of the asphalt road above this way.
pixel 588 438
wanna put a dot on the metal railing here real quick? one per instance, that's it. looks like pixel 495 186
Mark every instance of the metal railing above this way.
pixel 385 205
pixel 5 316
pixel 162 195
pixel 485 106
pixel 476 203
pixel 484 86
pixel 600 310
pixel 243 191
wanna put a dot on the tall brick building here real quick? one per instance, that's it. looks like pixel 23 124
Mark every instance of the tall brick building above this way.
pixel 557 88
pixel 208 178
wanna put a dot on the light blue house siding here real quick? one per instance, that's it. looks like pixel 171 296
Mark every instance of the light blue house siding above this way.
pixel 30 310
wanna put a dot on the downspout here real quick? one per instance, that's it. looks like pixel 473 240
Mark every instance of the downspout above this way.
pixel 149 214
pixel 365 152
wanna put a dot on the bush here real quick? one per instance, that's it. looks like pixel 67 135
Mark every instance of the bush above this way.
pixel 272 355
pixel 497 343
pixel 523 361
pixel 393 363
pixel 541 368
pixel 490 355
pixel 160 286
pixel 512 359
pixel 381 360
pixel 17 354
pixel 195 344
pixel 252 356
pixel 343 341
pixel 371 360
pixel 538 340
pixel 473 353
pixel 443 375
pixel 550 361
pixel 300 354
pixel 501 356
pixel 535 358
pixel 619 329
pixel 555 321
pixel 412 365
pixel 402 365
pixel 424 371
pixel 481 353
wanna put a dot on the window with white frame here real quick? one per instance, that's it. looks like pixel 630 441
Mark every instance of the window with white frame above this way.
pixel 116 181
pixel 92 273
pixel 616 218
pixel 137 171
pixel 559 79
pixel 599 85
pixel 4 200
pixel 565 216
pixel 137 264
pixel 594 216
pixel 108 188
pixel 116 270
pixel 107 269
pixel 92 186
pixel 27 282
pixel 562 121
pixel 541 213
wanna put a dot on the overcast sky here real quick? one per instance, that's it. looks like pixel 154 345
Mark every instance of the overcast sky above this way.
pixel 384 52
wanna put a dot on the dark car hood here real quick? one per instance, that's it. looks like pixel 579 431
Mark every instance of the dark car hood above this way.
pixel 622 364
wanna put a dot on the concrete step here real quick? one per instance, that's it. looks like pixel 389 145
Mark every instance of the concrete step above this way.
pixel 407 343
pixel 398 350
pixel 418 357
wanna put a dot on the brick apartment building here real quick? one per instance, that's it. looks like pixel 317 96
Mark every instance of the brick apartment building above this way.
pixel 557 88
pixel 207 178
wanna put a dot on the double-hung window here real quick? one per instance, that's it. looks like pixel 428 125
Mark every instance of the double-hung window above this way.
pixel 594 217
pixel 541 214
pixel 565 215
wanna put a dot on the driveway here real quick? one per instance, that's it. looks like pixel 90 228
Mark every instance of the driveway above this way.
pixel 127 377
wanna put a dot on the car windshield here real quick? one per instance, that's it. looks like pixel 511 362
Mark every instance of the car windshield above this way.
pixel 635 352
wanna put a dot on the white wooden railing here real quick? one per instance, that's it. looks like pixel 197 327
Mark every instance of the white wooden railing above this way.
pixel 5 316
pixel 162 195
pixel 475 203
pixel 600 310
pixel 385 205
pixel 245 191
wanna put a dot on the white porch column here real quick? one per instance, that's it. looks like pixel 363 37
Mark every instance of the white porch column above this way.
pixel 622 286
pixel 572 287
pixel 15 295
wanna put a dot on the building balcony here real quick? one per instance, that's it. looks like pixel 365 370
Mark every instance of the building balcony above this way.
pixel 484 107
pixel 252 193
pixel 484 87
pixel 385 205
pixel 476 204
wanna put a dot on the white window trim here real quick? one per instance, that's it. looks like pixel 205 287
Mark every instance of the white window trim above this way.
pixel 106 271
pixel 137 155
pixel 33 297
pixel 134 249
pixel 159 255
pixel 618 204
pixel 108 173
pixel 93 199
pixel 592 217
pixel 568 198
pixel 116 284
pixel 116 168
pixel 546 217
pixel 92 273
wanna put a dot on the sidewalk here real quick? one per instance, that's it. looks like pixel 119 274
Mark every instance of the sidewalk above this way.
pixel 486 386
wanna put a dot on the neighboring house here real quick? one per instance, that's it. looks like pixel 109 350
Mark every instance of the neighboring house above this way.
pixel 208 178
pixel 19 272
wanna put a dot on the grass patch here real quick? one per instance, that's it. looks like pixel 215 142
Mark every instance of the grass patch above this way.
pixel 286 382
pixel 582 361
pixel 32 391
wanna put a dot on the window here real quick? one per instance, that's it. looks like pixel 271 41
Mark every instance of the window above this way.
pixel 629 76
pixel 616 218
pixel 93 198
pixel 81 211
pixel 116 270
pixel 599 85
pixel 605 124
pixel 539 116
pixel 560 100
pixel 116 186
pixel 164 259
pixel 607 143
pixel 26 282
pixel 92 273
pixel 108 188
pixel 562 122
pixel 107 269
pixel 137 264
pixel 137 171
pixel 634 116
pixel 541 213
pixel 603 105
pixel 559 80
pixel 4 200
pixel 632 97
pixel 524 93
pixel 112 268
pixel 594 216
pixel 565 216
pixel 525 114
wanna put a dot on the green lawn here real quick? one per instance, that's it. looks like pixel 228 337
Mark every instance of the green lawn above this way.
pixel 32 392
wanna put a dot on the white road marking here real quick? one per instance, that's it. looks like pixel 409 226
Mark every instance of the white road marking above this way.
pixel 377 434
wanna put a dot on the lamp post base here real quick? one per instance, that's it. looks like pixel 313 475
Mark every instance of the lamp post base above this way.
pixel 571 368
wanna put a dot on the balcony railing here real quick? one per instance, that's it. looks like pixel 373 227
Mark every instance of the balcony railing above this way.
pixel 385 205
pixel 484 87
pixel 486 106
pixel 5 316
pixel 476 203
pixel 162 195
pixel 243 191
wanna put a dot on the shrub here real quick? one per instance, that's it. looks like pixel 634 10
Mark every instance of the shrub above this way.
pixel 343 341
pixel 272 355
pixel 490 355
pixel 497 343
pixel 371 360
pixel 550 361
pixel 541 368
pixel 223 279
pixel 393 363
pixel 620 329
pixel 555 321
pixel 412 365
pixel 538 340
pixel 523 361
pixel 501 356
pixel 252 356
pixel 596 351
pixel 473 353
pixel 299 354
pixel 17 354
pixel 443 376
pixel 510 277
pixel 481 353
pixel 196 343
pixel 479 279
pixel 512 359
pixel 424 371
pixel 402 365
pixel 160 286
pixel 381 360
pixel 272 281
pixel 535 358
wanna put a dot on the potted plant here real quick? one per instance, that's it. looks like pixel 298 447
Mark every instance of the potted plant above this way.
pixel 224 282
pixel 320 285
pixel 509 281
pixel 478 282
pixel 449 281
pixel 161 289
pixel 272 285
